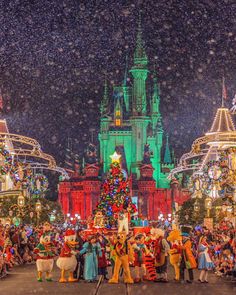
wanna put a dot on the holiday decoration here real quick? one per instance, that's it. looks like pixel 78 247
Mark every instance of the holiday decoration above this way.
pixel 115 196
pixel 98 220
pixel 21 174
pixel 39 185
pixel 5 160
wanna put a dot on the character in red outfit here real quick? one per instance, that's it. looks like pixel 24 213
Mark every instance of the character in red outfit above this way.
pixel 67 260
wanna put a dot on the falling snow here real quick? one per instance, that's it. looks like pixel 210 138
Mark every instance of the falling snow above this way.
pixel 54 56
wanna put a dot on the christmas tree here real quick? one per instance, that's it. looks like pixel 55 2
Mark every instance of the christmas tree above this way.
pixel 115 196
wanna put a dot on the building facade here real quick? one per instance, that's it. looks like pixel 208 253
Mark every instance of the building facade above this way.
pixel 131 125
pixel 131 118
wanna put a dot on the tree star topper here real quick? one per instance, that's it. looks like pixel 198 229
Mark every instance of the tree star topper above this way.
pixel 115 158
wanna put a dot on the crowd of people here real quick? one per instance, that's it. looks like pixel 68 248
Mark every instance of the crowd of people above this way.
pixel 149 253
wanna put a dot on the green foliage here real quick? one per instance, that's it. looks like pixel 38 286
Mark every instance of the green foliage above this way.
pixel 187 215
pixel 115 196
pixel 48 207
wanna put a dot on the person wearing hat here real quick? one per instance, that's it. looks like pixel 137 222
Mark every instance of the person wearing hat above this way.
pixel 140 250
pixel 161 250
pixel 187 258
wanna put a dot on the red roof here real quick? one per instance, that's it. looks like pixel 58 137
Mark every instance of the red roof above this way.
pixel 3 126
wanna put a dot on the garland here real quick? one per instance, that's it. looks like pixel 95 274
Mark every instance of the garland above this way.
pixel 6 161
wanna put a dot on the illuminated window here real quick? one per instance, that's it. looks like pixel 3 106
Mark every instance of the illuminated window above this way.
pixel 117 122
pixel 117 113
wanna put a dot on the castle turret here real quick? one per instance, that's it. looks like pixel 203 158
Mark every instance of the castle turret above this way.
pixel 105 100
pixel 126 93
pixel 167 156
pixel 139 72
pixel 118 114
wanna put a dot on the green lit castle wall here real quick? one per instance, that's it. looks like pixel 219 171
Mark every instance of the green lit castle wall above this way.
pixel 130 118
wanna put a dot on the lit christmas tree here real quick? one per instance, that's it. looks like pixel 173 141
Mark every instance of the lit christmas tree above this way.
pixel 115 197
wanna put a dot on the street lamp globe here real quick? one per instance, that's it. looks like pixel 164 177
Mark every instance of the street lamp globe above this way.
pixel 208 203
pixel 21 201
pixel 38 206
pixel 196 206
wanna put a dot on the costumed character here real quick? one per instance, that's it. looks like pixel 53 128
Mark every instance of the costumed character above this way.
pixel 140 251
pixel 79 270
pixel 161 250
pixel 92 249
pixel 67 260
pixel 204 261
pixel 175 239
pixel 45 254
pixel 7 248
pixel 187 258
pixel 123 222
pixel 98 220
pixel 124 254
pixel 149 258
pixel 102 261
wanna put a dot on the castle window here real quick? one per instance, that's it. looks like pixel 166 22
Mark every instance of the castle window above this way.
pixel 117 113
pixel 117 122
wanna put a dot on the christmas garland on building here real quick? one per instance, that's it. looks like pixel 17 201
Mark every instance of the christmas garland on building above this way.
pixel 6 160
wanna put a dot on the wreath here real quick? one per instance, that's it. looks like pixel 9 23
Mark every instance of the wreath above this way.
pixel 38 185
pixel 22 173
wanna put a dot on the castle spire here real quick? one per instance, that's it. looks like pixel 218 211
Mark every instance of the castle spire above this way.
pixel 118 116
pixel 126 71
pixel 139 72
pixel 140 56
pixel 167 156
pixel 105 100
pixel 125 87
pixel 155 96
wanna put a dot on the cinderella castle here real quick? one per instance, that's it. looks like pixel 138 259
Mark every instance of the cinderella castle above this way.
pixel 131 125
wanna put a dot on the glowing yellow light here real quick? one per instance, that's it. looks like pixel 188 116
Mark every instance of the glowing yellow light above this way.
pixel 115 158
pixel 117 122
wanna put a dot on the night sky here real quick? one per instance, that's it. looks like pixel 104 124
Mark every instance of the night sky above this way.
pixel 54 54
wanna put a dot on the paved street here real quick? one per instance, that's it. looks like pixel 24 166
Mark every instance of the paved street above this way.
pixel 22 280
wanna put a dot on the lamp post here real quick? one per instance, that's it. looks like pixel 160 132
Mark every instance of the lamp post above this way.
pixel 21 201
pixel 174 187
pixel 208 205
pixel 38 209
pixel 196 206
pixel 31 216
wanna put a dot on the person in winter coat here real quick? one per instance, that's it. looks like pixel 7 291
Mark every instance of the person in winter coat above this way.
pixel 187 258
